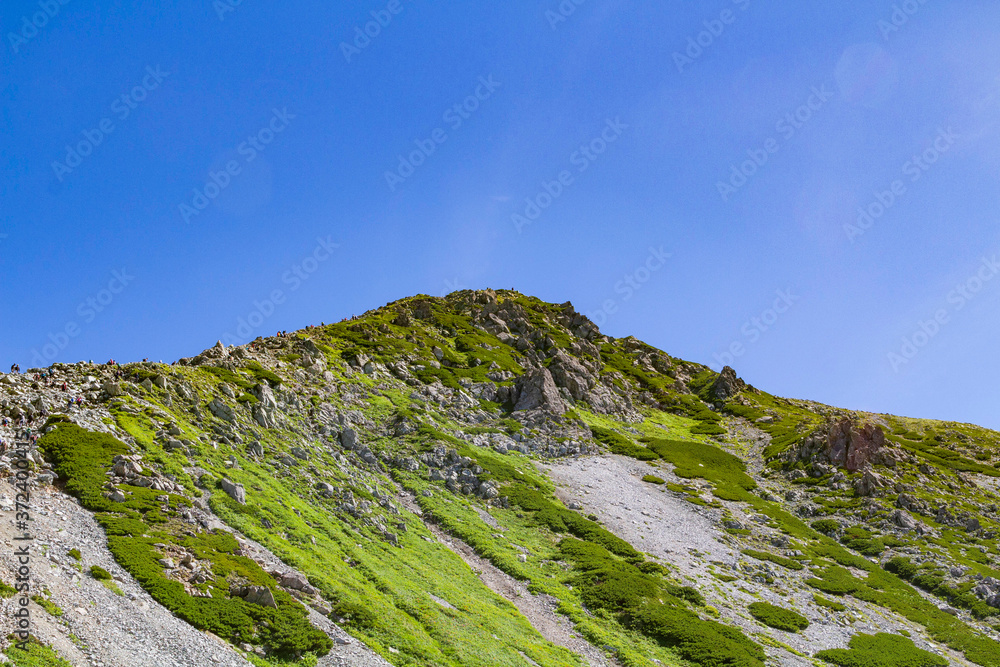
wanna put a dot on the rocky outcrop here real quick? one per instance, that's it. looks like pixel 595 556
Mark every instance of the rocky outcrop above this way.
pixel 844 444
pixel 536 390
pixel 727 385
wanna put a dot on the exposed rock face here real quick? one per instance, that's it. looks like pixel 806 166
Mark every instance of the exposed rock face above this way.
pixel 569 373
pixel 222 411
pixel 536 390
pixel 870 484
pixel 727 385
pixel 851 447
pixel 844 444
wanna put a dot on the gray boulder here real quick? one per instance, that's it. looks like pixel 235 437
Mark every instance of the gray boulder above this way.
pixel 348 438
pixel 235 491
pixel 222 411
pixel 536 390
pixel 258 595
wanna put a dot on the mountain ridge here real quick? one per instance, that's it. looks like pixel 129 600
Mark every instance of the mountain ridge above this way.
pixel 431 419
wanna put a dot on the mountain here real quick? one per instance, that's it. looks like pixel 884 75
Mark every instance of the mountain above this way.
pixel 483 479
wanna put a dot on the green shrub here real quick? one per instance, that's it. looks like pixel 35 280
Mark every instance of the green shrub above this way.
pixel 863 541
pixel 48 605
pixel 619 444
pixel 226 375
pixel 7 591
pixel 825 526
pixel 777 617
pixel 262 374
pixel 98 572
pixel 694 459
pixel 653 479
pixel 561 520
pixel 836 581
pixel 829 604
pixel 881 650
pixel 902 566
pixel 75 554
pixel 35 655
pixel 705 643
pixel 787 563
pixel 354 614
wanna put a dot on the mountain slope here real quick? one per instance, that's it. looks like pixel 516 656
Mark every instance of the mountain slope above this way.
pixel 619 505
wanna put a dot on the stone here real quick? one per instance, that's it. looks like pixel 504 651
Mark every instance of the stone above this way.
pixel 259 595
pixel 869 484
pixel 294 581
pixel 904 520
pixel 851 447
pixel 348 438
pixel 536 390
pixel 222 411
pixel 255 449
pixel 235 491
pixel 727 385
pixel 112 389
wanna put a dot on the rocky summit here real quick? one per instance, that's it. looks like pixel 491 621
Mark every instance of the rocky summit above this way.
pixel 483 479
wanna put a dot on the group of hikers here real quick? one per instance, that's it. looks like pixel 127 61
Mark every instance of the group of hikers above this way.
pixel 23 430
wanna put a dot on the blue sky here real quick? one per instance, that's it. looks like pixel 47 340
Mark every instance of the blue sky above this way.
pixel 689 173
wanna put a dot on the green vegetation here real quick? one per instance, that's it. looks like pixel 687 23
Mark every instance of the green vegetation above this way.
pixel 99 573
pixel 695 459
pixel 75 554
pixel 653 479
pixel 829 604
pixel 787 563
pixel 932 580
pixel 81 458
pixel 881 650
pixel 36 655
pixel 825 526
pixel 48 605
pixel 6 591
pixel 863 541
pixel 777 617
pixel 619 444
